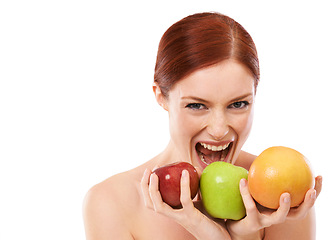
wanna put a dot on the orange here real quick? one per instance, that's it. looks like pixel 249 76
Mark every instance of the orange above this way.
pixel 278 170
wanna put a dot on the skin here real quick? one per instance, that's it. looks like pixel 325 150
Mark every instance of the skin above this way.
pixel 212 105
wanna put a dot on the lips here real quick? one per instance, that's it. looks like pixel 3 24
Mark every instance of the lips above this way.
pixel 209 153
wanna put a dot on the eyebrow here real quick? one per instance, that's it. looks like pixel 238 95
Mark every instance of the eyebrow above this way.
pixel 197 99
pixel 242 97
pixel 205 101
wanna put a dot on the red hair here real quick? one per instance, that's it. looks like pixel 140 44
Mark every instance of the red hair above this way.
pixel 199 41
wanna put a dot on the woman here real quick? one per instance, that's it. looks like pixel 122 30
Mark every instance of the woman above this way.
pixel 206 77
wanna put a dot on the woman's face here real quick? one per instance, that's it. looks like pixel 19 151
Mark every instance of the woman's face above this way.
pixel 210 114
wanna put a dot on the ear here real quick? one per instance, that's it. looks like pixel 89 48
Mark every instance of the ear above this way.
pixel 161 99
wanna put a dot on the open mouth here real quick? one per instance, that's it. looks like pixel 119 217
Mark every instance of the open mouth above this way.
pixel 211 153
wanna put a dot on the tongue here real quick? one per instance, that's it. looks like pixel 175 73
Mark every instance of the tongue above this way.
pixel 209 156
pixel 215 157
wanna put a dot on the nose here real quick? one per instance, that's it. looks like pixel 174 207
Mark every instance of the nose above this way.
pixel 217 125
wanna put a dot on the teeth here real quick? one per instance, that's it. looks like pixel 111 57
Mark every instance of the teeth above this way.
pixel 202 159
pixel 214 148
pixel 222 157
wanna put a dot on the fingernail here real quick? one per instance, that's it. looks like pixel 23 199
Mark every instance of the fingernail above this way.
pixel 313 195
pixel 319 178
pixel 243 182
pixel 184 173
pixel 286 199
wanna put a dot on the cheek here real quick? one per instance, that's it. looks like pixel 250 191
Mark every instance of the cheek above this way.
pixel 242 126
pixel 184 127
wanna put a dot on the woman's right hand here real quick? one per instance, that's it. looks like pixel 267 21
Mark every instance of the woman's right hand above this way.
pixel 191 218
pixel 259 218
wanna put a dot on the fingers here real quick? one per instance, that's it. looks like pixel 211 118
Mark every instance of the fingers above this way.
pixel 185 196
pixel 258 219
pixel 150 191
pixel 280 215
pixel 264 220
pixel 304 208
pixel 309 201
pixel 318 185
pixel 152 196
pixel 153 200
pixel 248 201
pixel 158 204
pixel 154 188
pixel 188 217
pixel 145 188
pixel 253 219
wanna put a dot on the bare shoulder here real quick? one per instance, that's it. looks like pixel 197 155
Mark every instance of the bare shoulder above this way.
pixel 116 188
pixel 104 214
pixel 245 159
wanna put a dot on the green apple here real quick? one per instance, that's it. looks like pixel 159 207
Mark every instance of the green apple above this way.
pixel 219 185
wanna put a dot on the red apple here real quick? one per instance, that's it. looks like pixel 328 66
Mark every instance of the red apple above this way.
pixel 169 182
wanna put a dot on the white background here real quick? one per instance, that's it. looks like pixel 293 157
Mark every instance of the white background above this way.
pixel 76 103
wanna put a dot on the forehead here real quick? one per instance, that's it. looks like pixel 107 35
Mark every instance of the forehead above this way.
pixel 225 79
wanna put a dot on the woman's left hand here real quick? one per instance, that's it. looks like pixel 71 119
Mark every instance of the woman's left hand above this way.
pixel 194 221
pixel 260 218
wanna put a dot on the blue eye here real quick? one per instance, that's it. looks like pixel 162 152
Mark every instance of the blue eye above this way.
pixel 239 105
pixel 196 106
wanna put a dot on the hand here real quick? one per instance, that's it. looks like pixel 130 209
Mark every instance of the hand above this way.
pixel 260 218
pixel 194 221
